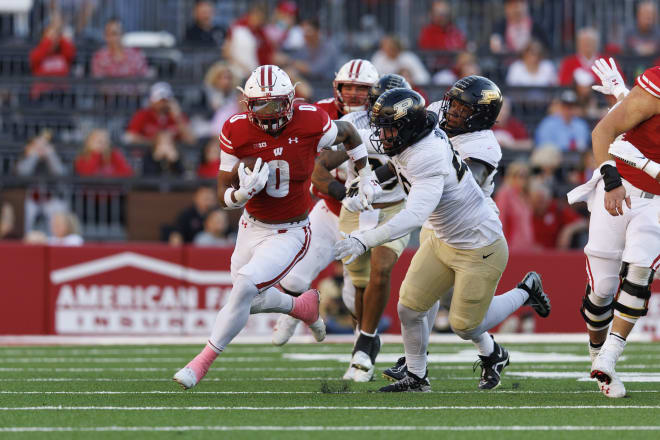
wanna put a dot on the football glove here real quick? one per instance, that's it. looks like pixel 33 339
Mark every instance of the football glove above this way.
pixel 353 244
pixel 368 187
pixel 629 154
pixel 353 202
pixel 612 82
pixel 251 181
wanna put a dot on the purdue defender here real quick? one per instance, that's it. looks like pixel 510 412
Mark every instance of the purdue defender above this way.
pixel 467 248
pixel 370 273
pixel 467 113
pixel 623 251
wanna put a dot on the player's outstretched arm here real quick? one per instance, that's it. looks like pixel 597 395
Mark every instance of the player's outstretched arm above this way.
pixel 322 179
pixel 634 109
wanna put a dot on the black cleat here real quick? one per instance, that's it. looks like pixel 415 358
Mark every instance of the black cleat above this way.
pixel 409 383
pixel 398 371
pixel 491 367
pixel 537 300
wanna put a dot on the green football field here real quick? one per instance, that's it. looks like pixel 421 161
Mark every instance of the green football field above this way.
pixel 296 392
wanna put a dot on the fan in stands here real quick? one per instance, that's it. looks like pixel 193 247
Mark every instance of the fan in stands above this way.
pixel 249 163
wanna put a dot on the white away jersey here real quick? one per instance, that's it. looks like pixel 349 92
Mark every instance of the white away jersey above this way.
pixel 392 191
pixel 483 146
pixel 463 219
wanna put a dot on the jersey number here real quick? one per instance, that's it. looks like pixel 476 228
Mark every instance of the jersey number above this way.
pixel 278 178
pixel 405 184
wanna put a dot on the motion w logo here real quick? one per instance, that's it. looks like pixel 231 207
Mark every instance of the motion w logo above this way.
pixel 278 151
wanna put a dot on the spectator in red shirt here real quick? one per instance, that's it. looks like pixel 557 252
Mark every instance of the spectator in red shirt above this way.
pixel 509 131
pixel 55 52
pixel 162 115
pixel 555 223
pixel 586 47
pixel 247 45
pixel 99 158
pixel 115 60
pixel 515 210
pixel 440 33
pixel 210 164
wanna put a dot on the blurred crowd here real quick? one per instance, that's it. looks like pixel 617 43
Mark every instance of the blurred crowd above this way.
pixel 157 139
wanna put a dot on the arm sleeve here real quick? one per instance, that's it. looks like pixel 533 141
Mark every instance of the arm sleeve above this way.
pixel 40 52
pixel 68 49
pixel 137 121
pixel 650 81
pixel 423 198
pixel 121 165
pixel 329 135
pixel 227 161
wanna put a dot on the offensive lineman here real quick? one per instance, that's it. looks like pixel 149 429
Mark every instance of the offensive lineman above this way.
pixel 467 250
pixel 467 118
pixel 274 230
pixel 623 251
pixel 351 87
pixel 370 273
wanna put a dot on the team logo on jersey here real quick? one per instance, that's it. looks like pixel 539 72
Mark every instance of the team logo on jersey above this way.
pixel 278 151
pixel 293 139
pixel 260 145
pixel 487 96
pixel 402 107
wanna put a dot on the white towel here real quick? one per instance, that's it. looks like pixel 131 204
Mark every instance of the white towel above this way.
pixel 586 191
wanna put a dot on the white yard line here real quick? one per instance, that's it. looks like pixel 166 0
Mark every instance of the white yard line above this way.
pixel 172 369
pixel 129 360
pixel 323 408
pixel 295 392
pixel 327 428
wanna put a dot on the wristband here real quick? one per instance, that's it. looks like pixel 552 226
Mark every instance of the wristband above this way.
pixel 337 190
pixel 611 177
pixel 238 195
pixel 357 153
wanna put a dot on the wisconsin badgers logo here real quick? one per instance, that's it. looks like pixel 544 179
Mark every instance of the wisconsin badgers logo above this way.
pixel 278 151
pixel 402 107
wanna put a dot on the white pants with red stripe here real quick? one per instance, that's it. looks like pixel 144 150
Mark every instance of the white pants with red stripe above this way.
pixel 265 253
pixel 633 237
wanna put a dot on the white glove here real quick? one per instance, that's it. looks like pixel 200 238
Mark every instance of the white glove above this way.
pixel 628 153
pixel 368 187
pixel 251 181
pixel 352 244
pixel 610 78
pixel 353 202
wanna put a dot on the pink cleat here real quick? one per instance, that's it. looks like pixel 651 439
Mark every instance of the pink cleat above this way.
pixel 194 372
pixel 306 308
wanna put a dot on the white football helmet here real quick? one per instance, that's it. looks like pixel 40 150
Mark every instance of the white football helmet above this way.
pixel 358 72
pixel 269 97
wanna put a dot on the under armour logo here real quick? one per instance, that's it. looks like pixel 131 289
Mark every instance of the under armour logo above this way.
pixel 278 151
pixel 292 140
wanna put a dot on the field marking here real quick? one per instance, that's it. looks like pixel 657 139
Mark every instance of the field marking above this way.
pixel 582 376
pixel 206 379
pixel 323 408
pixel 172 369
pixel 129 360
pixel 446 358
pixel 325 428
pixel 181 392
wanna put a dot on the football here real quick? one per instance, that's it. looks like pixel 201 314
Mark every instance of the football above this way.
pixel 249 163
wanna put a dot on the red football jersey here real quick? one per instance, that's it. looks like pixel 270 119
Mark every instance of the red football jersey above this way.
pixel 331 109
pixel 646 137
pixel 290 157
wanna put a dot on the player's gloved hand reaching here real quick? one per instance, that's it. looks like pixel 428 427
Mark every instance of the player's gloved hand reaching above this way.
pixel 628 153
pixel 353 244
pixel 353 202
pixel 611 79
pixel 251 181
pixel 368 186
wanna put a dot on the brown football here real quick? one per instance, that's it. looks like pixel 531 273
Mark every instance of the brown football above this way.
pixel 249 163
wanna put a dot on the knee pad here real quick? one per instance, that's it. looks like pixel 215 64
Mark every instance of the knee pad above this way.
pixel 243 290
pixel 466 335
pixel 294 285
pixel 632 299
pixel 597 317
pixel 409 316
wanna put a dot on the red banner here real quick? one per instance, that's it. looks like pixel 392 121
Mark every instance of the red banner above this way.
pixel 157 289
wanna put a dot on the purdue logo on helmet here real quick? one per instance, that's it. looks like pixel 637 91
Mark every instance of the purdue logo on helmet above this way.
pixel 385 83
pixel 471 104
pixel 399 119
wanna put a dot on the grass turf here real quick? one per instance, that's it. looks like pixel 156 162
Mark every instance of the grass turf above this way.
pixel 296 390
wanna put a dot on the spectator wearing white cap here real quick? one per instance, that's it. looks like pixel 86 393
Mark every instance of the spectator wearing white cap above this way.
pixel 163 114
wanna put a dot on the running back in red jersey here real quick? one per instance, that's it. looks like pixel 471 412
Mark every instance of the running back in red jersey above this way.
pixel 290 157
pixel 645 137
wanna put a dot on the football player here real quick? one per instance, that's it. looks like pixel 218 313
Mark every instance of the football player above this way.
pixel 623 251
pixel 274 231
pixel 370 274
pixel 467 113
pixel 467 248
pixel 351 88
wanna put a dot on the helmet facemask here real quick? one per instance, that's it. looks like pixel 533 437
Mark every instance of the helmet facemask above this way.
pixel 351 96
pixel 456 115
pixel 270 114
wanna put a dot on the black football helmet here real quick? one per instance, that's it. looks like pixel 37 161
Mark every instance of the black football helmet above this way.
pixel 481 101
pixel 386 82
pixel 403 110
